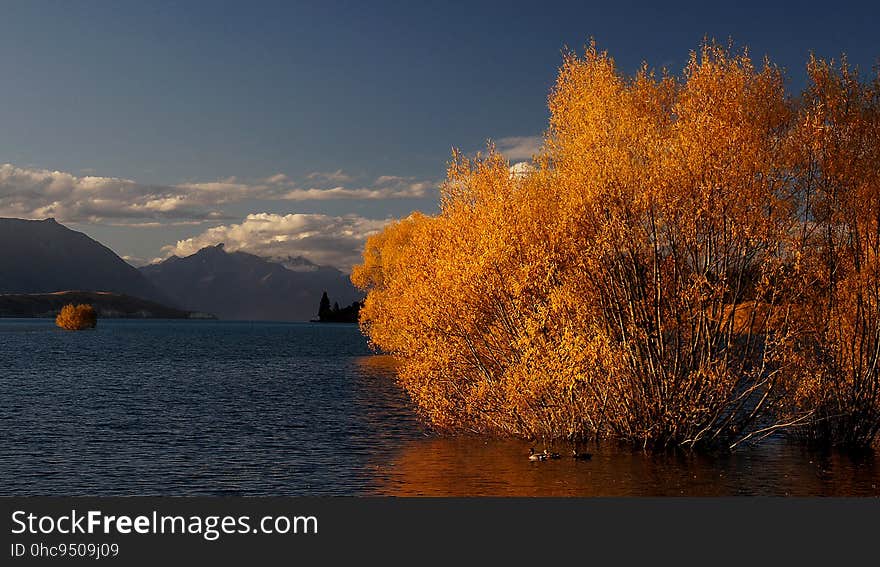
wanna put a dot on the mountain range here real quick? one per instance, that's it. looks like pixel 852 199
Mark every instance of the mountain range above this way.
pixel 238 285
pixel 38 257
pixel 45 256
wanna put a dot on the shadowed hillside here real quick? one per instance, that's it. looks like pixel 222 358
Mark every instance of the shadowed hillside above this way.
pixel 44 256
pixel 237 285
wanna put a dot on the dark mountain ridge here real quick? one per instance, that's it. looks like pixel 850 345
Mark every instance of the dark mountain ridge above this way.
pixel 238 285
pixel 42 256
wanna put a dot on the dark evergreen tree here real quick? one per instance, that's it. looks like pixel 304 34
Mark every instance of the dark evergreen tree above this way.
pixel 324 307
pixel 337 314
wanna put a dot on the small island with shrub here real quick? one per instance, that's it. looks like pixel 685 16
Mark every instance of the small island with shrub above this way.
pixel 77 317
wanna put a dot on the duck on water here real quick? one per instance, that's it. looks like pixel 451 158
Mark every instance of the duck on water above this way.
pixel 545 455
pixel 581 456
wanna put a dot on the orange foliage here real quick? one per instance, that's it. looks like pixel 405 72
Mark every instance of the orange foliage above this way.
pixel 77 317
pixel 835 356
pixel 649 278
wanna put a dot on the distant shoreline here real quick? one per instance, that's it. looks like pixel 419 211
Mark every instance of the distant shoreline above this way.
pixel 108 305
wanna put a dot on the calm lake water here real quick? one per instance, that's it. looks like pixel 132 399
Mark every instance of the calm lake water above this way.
pixel 219 408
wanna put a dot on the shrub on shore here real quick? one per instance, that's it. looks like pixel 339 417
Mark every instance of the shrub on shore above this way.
pixel 690 261
pixel 77 317
pixel 834 357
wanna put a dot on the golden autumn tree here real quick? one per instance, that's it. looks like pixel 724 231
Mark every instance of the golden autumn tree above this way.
pixel 835 355
pixel 680 198
pixel 453 296
pixel 642 280
pixel 77 317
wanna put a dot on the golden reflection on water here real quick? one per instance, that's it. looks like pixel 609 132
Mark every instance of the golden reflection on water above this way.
pixel 379 365
pixel 472 467
pixel 424 464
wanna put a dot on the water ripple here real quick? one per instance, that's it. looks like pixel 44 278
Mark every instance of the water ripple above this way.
pixel 219 408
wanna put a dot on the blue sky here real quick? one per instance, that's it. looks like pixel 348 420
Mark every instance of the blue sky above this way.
pixel 145 123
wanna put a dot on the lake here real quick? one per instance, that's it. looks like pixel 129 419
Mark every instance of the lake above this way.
pixel 153 407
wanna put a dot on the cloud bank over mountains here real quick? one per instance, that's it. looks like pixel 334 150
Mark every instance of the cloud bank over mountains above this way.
pixel 40 193
pixel 332 240
pixel 327 240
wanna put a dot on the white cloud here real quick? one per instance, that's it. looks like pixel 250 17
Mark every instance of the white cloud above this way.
pixel 278 178
pixel 337 176
pixel 136 261
pixel 519 147
pixel 41 193
pixel 323 239
pixel 385 187
pixel 521 170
